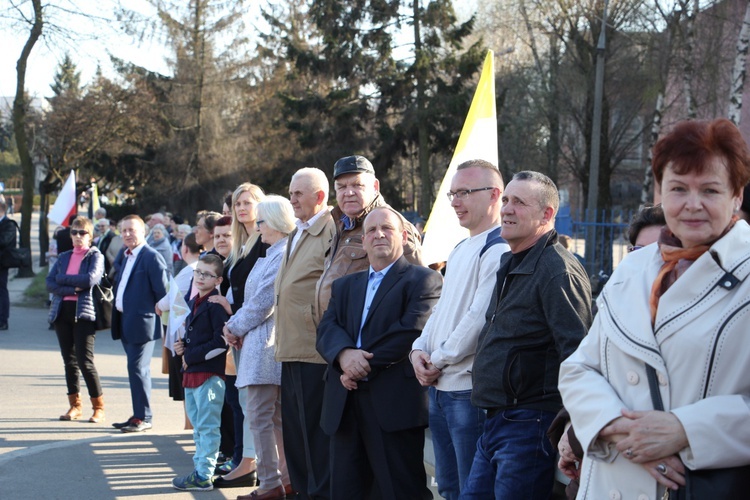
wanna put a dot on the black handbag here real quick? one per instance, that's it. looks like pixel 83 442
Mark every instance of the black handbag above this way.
pixel 103 296
pixel 704 484
pixel 16 257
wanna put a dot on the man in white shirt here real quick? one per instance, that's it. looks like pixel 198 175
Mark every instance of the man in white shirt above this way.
pixel 443 355
pixel 141 282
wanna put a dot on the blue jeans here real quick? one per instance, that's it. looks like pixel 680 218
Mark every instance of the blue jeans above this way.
pixel 455 425
pixel 514 458
pixel 203 406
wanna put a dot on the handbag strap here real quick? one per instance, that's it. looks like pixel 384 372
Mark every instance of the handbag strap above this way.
pixel 653 386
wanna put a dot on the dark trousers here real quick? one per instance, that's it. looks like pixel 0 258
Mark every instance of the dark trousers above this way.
pixel 369 463
pixel 305 444
pixel 76 339
pixel 4 298
pixel 139 375
pixel 231 441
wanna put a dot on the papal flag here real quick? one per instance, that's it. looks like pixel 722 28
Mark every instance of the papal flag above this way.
pixel 65 205
pixel 478 140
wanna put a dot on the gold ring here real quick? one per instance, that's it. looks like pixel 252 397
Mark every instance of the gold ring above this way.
pixel 662 468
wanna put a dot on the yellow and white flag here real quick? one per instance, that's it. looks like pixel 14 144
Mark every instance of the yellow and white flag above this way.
pixel 478 140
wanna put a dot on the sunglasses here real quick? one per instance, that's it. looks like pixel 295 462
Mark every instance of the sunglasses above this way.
pixel 78 232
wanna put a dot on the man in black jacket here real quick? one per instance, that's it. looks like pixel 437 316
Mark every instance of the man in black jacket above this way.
pixel 105 238
pixel 7 241
pixel 539 311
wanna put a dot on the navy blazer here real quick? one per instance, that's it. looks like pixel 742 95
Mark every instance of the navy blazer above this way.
pixel 205 348
pixel 397 315
pixel 138 323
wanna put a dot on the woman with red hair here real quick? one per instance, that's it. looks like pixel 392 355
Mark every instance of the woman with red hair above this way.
pixel 658 391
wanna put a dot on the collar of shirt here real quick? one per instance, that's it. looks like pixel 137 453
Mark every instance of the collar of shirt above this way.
pixel 312 220
pixel 349 223
pixel 383 271
pixel 134 252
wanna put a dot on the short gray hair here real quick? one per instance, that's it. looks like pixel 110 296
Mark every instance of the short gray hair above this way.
pixel 548 195
pixel 277 212
pixel 318 180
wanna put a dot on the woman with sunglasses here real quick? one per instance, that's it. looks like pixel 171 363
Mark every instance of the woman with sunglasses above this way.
pixel 70 281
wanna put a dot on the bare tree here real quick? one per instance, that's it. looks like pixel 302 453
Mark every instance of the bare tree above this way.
pixel 19 122
pixel 734 111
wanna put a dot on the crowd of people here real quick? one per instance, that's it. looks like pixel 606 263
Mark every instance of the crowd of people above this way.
pixel 312 346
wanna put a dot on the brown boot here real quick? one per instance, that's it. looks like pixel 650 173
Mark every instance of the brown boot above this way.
pixel 76 410
pixel 98 405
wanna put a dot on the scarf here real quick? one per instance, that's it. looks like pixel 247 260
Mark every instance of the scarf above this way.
pixel 677 260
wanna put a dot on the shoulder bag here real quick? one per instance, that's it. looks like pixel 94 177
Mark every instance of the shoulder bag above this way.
pixel 18 257
pixel 704 484
pixel 103 296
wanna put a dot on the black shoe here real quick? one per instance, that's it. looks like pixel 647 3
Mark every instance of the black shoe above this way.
pixel 249 480
pixel 120 425
pixel 137 425
pixel 3 326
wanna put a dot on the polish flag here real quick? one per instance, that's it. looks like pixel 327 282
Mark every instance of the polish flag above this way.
pixel 65 205
pixel 478 141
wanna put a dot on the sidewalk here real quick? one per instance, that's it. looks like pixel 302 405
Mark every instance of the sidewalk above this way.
pixel 43 457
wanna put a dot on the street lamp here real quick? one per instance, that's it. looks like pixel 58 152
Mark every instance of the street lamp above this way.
pixel 596 135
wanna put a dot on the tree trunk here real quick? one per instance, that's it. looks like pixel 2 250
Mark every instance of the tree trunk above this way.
pixel 425 177
pixel 734 112
pixel 19 128
pixel 648 177
pixel 689 43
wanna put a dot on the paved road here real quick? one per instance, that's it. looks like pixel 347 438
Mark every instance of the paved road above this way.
pixel 42 457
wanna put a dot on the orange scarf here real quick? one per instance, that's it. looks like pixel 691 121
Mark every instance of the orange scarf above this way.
pixel 672 253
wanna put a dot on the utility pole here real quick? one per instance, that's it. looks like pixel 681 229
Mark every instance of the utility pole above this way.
pixel 596 134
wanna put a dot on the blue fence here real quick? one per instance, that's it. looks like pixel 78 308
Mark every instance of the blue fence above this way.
pixel 607 231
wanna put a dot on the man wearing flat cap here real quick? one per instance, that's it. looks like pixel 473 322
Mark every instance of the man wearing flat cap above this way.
pixel 357 193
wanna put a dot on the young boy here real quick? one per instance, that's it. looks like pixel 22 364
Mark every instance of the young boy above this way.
pixel 204 352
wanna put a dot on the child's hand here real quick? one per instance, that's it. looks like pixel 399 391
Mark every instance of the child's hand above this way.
pixel 179 347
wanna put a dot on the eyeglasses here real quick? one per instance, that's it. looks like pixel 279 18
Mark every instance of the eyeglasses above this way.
pixel 202 275
pixel 461 194
pixel 78 232
pixel 258 223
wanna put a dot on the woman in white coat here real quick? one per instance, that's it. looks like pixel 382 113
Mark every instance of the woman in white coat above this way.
pixel 252 330
pixel 680 306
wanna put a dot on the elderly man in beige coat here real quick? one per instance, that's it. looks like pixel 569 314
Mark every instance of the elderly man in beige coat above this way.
pixel 302 368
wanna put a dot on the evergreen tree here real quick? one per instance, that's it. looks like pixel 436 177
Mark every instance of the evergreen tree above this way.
pixel 348 92
pixel 66 79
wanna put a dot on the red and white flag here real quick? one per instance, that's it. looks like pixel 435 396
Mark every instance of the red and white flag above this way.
pixel 65 205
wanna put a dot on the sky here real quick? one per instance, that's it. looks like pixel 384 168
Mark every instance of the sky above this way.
pixel 95 39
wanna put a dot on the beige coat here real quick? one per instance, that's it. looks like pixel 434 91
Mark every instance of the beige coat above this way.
pixel 700 349
pixel 295 292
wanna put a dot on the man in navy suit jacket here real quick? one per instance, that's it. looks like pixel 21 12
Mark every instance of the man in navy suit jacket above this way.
pixel 374 408
pixel 141 282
